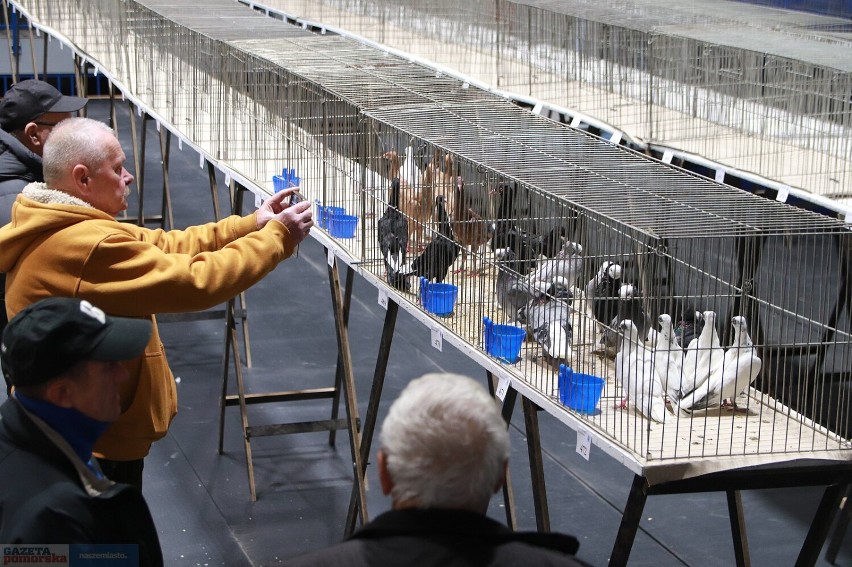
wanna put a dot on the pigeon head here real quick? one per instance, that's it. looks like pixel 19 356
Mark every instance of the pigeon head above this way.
pixel 739 322
pixel 611 270
pixel 664 320
pixel 626 291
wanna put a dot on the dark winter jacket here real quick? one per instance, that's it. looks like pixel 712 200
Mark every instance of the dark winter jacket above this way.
pixel 443 538
pixel 49 496
pixel 18 167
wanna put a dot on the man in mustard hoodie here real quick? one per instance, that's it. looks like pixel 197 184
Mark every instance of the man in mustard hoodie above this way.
pixel 64 240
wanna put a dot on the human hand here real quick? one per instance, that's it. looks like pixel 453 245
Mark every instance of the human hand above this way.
pixel 297 217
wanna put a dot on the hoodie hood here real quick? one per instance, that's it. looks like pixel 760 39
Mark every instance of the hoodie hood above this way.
pixel 38 212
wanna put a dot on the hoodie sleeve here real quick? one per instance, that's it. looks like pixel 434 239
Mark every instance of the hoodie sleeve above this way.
pixel 174 273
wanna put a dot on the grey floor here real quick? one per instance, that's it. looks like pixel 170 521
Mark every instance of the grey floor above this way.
pixel 200 499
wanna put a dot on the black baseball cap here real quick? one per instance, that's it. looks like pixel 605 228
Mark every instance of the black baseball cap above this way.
pixel 27 100
pixel 50 336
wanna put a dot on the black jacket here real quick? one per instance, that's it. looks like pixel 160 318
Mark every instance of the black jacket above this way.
pixel 18 167
pixel 443 538
pixel 49 496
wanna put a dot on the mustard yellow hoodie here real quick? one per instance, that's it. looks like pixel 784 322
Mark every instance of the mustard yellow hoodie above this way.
pixel 58 245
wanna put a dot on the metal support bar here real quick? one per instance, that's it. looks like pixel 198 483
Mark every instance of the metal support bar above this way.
pixel 506 411
pixel 542 514
pixel 738 530
pixel 629 522
pixel 820 525
pixel 348 387
pixel 373 406
pixel 843 517
pixel 338 374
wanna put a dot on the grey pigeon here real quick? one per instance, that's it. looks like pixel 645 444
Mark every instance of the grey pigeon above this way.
pixel 547 317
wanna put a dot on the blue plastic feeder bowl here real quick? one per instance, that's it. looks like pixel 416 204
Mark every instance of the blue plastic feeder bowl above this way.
pixel 278 183
pixel 438 298
pixel 342 226
pixel 324 214
pixel 503 341
pixel 581 392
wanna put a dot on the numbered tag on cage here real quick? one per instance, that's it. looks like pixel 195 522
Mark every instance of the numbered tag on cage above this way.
pixel 503 387
pixel 584 444
pixel 383 299
pixel 437 339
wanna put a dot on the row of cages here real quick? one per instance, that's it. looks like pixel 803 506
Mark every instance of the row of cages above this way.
pixel 721 328
pixel 781 117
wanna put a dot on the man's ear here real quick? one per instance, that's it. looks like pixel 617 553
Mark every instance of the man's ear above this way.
pixel 31 137
pixel 81 177
pixel 384 476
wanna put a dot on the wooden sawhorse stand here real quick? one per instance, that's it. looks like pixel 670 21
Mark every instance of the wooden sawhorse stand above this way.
pixel 344 385
pixel 834 476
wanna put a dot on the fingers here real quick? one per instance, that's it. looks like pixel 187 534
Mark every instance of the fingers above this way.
pixel 274 202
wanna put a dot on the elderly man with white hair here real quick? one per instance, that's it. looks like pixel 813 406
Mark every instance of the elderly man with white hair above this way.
pixel 443 454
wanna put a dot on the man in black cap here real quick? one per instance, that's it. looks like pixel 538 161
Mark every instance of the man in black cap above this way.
pixel 28 112
pixel 63 357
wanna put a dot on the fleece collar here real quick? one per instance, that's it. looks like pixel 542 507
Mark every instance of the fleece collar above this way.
pixel 40 193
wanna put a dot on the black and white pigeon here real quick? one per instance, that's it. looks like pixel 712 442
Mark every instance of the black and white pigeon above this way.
pixel 602 292
pixel 634 371
pixel 392 232
pixel 435 260
pixel 668 358
pixel 702 367
pixel 547 317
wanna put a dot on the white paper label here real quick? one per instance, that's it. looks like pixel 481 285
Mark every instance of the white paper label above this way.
pixel 158 125
pixel 584 444
pixel 331 257
pixel 258 200
pixel 201 160
pixel 180 143
pixel 667 156
pixel 720 175
pixel 228 181
pixel 139 111
pixel 383 299
pixel 437 339
pixel 502 387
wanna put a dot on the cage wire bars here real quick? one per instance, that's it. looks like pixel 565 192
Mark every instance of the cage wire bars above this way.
pixel 763 91
pixel 474 170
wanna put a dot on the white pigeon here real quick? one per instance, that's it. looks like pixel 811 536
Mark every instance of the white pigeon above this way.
pixel 668 358
pixel 741 365
pixel 634 370
pixel 409 173
pixel 702 365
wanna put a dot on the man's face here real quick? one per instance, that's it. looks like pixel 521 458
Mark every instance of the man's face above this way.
pixel 96 389
pixel 109 181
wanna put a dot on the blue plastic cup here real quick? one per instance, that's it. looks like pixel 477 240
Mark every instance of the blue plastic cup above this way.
pixel 438 298
pixel 503 341
pixel 580 392
pixel 342 226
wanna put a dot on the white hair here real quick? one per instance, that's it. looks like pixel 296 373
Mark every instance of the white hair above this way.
pixel 74 141
pixel 445 443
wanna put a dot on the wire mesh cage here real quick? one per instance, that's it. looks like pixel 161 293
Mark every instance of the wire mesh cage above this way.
pixel 676 318
pixel 763 92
